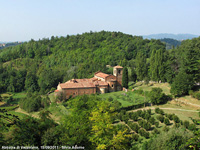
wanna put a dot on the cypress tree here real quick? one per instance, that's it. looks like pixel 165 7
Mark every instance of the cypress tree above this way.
pixel 141 68
pixel 125 78
pixel 133 75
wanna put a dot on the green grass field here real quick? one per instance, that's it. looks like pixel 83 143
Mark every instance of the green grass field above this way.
pixel 164 86
pixel 125 98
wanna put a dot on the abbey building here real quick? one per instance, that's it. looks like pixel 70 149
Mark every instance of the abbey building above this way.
pixel 100 83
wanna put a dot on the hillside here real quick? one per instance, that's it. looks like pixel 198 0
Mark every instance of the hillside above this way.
pixel 54 60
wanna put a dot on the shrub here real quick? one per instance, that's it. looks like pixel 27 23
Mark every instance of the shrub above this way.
pixel 141 122
pixel 135 137
pixel 186 124
pixel 116 104
pixel 143 113
pixel 165 129
pixel 192 127
pixel 161 112
pixel 157 124
pixel 147 126
pixel 139 113
pixel 152 120
pixel 160 118
pixel 144 133
pixel 169 116
pixel 166 121
pixel 149 111
pixel 125 118
pixel 147 116
pixel 197 95
pixel 135 127
pixel 176 119
pixel 171 140
pixel 155 131
pixel 134 116
pixel 139 91
pixel 157 110
pixel 177 125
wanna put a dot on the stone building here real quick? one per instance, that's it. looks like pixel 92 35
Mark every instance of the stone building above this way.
pixel 100 83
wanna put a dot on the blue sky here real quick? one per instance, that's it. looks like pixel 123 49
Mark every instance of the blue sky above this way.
pixel 22 20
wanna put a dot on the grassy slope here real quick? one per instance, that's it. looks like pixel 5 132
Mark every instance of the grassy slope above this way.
pixel 125 98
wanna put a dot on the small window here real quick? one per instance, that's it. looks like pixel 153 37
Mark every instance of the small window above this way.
pixel 112 85
pixel 119 71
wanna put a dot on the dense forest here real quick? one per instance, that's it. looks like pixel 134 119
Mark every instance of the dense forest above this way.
pixel 90 121
pixel 41 65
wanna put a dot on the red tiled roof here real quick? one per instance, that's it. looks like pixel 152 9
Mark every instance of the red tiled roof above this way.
pixel 101 74
pixel 83 83
pixel 118 67
pixel 69 85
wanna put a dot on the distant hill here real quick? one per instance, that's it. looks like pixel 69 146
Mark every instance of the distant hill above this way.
pixel 171 36
pixel 170 43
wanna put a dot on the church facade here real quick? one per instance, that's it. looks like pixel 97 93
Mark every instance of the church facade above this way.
pixel 100 83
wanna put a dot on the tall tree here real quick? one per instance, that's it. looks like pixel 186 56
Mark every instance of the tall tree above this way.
pixel 133 75
pixel 157 66
pixel 141 67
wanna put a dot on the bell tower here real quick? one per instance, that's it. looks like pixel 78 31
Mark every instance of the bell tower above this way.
pixel 117 71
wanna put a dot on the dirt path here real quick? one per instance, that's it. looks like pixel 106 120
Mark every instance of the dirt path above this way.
pixel 188 103
pixel 164 108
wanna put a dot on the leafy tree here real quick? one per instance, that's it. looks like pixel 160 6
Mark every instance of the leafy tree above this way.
pixel 182 84
pixel 156 96
pixel 103 130
pixel 31 102
pixel 31 82
pixel 125 78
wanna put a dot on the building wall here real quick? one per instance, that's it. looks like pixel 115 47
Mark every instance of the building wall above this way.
pixel 112 86
pixel 78 91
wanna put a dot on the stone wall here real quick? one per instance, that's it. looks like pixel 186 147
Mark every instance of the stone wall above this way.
pixel 78 91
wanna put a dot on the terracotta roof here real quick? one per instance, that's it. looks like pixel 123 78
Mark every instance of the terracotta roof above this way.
pixel 101 83
pixel 101 74
pixel 118 67
pixel 71 85
pixel 56 91
pixel 83 83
